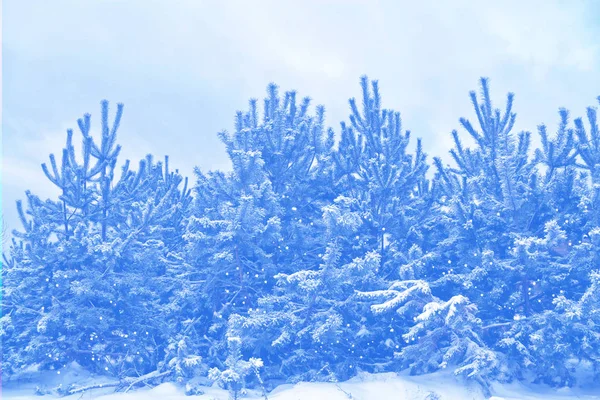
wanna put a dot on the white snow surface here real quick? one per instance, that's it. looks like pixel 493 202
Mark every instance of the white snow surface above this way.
pixel 365 386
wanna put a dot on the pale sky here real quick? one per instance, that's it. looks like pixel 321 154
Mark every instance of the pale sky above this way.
pixel 183 68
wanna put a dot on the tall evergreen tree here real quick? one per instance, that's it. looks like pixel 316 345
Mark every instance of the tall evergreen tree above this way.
pixel 95 276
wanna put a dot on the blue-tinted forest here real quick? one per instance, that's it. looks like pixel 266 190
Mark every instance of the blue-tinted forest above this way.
pixel 323 252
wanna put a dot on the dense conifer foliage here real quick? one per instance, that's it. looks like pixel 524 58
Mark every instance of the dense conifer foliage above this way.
pixel 315 258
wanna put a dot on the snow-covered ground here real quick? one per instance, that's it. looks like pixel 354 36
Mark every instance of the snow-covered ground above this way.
pixel 438 386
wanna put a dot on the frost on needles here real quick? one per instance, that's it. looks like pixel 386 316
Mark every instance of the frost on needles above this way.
pixel 315 258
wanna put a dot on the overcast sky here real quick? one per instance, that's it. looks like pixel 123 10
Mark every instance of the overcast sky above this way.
pixel 183 68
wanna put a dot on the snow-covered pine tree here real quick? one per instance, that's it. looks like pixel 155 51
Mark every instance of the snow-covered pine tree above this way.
pixel 95 276
pixel 553 344
pixel 373 166
pixel 232 233
pixel 556 344
pixel 489 197
pixel 297 152
pixel 485 207
pixel 510 224
pixel 263 218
